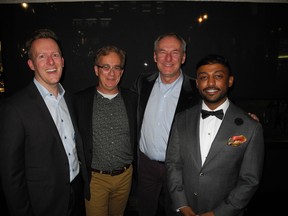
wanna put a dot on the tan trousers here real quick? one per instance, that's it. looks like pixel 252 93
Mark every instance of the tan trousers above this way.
pixel 109 194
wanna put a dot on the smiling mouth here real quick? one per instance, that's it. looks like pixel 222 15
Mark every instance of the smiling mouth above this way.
pixel 51 70
pixel 211 90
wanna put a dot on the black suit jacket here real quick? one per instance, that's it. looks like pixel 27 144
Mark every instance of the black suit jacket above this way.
pixel 34 165
pixel 83 104
pixel 189 95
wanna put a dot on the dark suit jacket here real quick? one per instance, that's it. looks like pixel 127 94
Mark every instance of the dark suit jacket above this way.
pixel 83 104
pixel 230 175
pixel 143 86
pixel 34 165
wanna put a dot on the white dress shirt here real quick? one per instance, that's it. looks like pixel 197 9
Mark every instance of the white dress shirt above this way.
pixel 61 116
pixel 209 128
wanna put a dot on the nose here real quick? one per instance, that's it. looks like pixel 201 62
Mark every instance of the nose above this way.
pixel 111 71
pixel 211 81
pixel 168 57
pixel 50 60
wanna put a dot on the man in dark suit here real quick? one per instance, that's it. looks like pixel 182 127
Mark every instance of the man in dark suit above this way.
pixel 42 163
pixel 214 162
pixel 106 115
pixel 160 96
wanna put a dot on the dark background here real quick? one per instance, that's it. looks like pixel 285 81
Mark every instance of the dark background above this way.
pixel 251 35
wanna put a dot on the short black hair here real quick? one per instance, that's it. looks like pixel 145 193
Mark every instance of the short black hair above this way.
pixel 215 59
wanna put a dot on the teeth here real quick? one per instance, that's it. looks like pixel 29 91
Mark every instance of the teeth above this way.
pixel 51 70
pixel 211 90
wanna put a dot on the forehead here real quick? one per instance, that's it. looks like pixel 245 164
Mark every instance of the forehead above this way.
pixel 169 42
pixel 44 44
pixel 212 68
pixel 111 56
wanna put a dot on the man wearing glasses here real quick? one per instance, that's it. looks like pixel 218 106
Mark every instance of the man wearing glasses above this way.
pixel 107 121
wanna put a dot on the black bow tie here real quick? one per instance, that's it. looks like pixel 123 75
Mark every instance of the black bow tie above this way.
pixel 219 113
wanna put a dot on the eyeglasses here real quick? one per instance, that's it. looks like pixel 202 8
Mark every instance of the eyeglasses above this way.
pixel 108 68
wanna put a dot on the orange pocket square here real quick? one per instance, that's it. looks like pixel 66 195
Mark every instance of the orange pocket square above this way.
pixel 236 140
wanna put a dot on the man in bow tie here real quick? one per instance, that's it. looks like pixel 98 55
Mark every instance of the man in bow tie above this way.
pixel 215 153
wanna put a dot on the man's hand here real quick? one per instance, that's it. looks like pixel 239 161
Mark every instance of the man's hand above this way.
pixel 187 211
pixel 211 213
pixel 254 116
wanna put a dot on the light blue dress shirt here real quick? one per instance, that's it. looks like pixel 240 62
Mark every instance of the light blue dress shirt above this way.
pixel 60 114
pixel 158 117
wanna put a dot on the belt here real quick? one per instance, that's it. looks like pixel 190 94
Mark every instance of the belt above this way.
pixel 112 172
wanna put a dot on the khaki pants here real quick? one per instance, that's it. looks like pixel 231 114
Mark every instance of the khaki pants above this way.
pixel 109 194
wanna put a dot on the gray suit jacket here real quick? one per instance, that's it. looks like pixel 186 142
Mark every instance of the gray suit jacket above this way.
pixel 230 175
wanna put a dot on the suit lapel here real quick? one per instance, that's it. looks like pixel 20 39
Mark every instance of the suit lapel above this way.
pixel 44 112
pixel 146 89
pixel 226 128
pixel 186 94
pixel 192 120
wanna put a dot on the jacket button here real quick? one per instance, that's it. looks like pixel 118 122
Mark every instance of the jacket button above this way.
pixel 201 174
pixel 195 194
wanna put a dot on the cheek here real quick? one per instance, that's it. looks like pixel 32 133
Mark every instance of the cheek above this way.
pixel 201 84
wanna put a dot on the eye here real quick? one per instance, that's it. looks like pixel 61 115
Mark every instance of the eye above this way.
pixel 106 67
pixel 202 77
pixel 56 55
pixel 175 53
pixel 219 76
pixel 117 68
pixel 161 52
pixel 41 56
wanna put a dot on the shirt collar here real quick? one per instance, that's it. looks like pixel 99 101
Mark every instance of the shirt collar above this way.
pixel 165 87
pixel 223 106
pixel 44 92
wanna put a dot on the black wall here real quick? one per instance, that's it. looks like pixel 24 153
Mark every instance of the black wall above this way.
pixel 250 35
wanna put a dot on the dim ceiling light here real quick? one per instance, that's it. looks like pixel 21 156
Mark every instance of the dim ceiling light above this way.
pixel 24 5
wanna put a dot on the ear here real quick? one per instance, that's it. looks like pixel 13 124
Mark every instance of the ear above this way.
pixel 96 70
pixel 183 58
pixel 155 57
pixel 31 65
pixel 196 83
pixel 231 81
pixel 62 62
